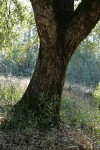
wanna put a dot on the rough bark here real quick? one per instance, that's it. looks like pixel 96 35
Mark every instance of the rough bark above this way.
pixel 60 30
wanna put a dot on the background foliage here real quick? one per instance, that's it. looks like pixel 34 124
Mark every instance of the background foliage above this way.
pixel 19 45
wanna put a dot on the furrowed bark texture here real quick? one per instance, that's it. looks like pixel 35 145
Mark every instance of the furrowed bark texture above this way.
pixel 60 31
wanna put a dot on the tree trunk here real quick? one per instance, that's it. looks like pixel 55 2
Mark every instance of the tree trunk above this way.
pixel 43 95
pixel 60 31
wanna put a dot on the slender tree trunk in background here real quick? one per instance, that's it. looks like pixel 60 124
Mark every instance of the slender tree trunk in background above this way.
pixel 60 30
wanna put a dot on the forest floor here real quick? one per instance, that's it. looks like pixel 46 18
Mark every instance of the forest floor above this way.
pixel 67 137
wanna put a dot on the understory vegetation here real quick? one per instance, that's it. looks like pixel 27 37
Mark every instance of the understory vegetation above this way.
pixel 76 111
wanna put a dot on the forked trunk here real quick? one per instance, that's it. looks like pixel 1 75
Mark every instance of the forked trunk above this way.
pixel 60 31
pixel 43 95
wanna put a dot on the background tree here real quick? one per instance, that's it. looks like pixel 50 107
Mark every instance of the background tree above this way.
pixel 16 22
pixel 84 65
pixel 17 38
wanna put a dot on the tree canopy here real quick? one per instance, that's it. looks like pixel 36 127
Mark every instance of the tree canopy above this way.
pixel 17 20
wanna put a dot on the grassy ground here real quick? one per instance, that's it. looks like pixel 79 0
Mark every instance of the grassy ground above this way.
pixel 79 130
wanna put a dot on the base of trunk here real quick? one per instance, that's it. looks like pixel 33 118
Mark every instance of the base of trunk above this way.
pixel 45 112
pixel 43 95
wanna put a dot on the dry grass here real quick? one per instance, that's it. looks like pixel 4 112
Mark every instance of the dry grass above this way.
pixel 21 82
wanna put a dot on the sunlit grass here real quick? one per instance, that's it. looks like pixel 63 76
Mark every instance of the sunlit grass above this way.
pixel 79 113
pixel 74 111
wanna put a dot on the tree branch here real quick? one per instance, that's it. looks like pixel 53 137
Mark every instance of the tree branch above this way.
pixel 85 18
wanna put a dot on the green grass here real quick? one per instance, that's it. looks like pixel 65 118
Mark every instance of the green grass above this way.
pixel 97 96
pixel 74 111
pixel 79 113
pixel 10 93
